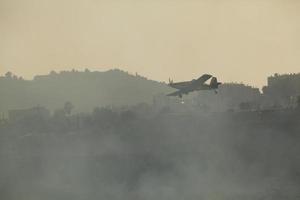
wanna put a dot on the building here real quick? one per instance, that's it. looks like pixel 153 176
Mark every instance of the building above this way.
pixel 283 90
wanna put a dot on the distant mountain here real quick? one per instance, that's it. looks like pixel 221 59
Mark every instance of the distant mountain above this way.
pixel 85 90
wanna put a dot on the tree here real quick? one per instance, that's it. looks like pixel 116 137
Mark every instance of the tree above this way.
pixel 68 107
pixel 53 73
pixel 298 102
pixel 8 75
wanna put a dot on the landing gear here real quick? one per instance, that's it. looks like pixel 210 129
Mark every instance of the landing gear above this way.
pixel 216 92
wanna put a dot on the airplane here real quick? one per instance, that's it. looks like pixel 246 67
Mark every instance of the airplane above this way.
pixel 194 85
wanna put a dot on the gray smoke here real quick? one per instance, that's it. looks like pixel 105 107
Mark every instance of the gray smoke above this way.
pixel 129 154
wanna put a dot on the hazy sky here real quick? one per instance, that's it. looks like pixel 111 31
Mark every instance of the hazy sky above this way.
pixel 237 40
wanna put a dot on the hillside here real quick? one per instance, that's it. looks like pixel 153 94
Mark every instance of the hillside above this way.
pixel 85 90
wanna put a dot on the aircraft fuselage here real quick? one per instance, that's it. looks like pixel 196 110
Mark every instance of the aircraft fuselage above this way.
pixel 194 85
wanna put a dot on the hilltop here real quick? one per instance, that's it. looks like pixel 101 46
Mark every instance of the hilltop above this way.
pixel 84 89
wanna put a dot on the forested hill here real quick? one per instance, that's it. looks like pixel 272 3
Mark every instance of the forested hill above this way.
pixel 85 90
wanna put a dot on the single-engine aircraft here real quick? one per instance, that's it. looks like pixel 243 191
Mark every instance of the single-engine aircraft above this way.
pixel 194 85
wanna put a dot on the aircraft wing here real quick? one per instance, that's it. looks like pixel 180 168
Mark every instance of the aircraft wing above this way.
pixel 177 93
pixel 180 85
pixel 204 78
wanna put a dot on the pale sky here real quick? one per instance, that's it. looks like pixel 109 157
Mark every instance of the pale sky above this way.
pixel 236 40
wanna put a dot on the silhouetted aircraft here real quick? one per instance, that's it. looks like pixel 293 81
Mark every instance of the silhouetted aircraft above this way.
pixel 194 85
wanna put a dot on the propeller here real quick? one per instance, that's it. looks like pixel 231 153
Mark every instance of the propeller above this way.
pixel 170 81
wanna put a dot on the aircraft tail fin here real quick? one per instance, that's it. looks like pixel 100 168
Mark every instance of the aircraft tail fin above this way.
pixel 214 82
